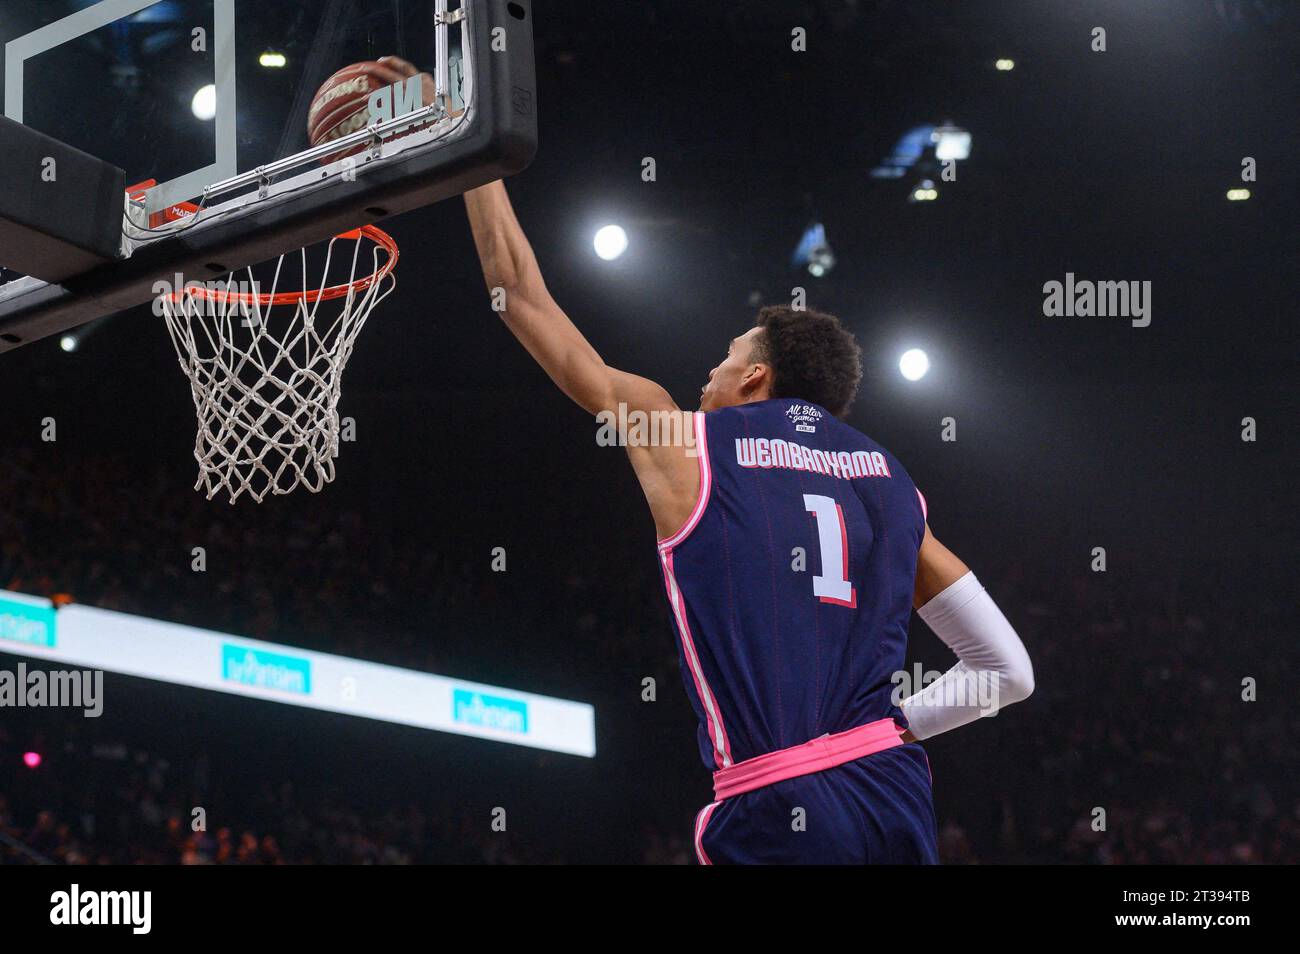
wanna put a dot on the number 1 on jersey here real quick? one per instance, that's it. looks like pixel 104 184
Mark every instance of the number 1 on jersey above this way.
pixel 832 586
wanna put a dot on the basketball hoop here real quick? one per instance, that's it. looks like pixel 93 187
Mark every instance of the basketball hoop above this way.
pixel 266 382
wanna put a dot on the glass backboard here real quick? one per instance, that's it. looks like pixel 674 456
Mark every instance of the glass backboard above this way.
pixel 206 103
pixel 191 92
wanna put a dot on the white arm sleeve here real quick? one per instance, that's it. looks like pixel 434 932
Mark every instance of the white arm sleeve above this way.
pixel 993 668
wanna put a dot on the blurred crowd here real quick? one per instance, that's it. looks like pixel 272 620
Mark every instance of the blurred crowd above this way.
pixel 110 804
pixel 1162 731
pixel 1142 744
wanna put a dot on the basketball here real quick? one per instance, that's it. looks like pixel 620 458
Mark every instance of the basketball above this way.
pixel 339 107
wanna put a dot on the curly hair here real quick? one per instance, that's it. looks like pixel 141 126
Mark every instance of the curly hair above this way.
pixel 813 357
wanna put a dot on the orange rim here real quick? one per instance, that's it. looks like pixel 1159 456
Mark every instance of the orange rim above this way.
pixel 375 234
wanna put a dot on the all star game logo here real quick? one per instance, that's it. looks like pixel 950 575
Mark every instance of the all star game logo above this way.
pixel 804 417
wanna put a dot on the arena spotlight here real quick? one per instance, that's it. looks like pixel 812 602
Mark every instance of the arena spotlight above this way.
pixel 1004 66
pixel 914 364
pixel 1238 195
pixel 950 142
pixel 814 252
pixel 204 105
pixel 273 60
pixel 821 261
pixel 32 759
pixel 925 192
pixel 610 242
pixel 68 343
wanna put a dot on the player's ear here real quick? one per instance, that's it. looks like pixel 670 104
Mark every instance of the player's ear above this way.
pixel 758 378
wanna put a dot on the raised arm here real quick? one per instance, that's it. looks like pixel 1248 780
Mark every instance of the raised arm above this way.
pixel 668 474
pixel 535 319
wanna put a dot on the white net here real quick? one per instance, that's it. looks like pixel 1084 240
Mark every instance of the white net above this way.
pixel 266 369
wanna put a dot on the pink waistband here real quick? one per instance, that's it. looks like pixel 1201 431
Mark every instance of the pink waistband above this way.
pixel 815 756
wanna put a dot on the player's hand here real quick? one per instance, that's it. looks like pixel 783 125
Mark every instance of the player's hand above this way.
pixel 403 70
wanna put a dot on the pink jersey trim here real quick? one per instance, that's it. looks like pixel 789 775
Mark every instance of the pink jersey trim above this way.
pixel 701 823
pixel 706 485
pixel 925 511
pixel 713 715
pixel 815 756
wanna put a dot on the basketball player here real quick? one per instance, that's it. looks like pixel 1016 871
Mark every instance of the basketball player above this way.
pixel 793 550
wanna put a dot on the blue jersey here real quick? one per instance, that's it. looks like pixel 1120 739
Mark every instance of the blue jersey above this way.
pixel 791 583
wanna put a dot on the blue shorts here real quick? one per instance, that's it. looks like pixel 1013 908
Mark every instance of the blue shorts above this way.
pixel 876 810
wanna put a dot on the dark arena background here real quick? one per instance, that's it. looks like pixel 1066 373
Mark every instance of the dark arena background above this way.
pixel 1123 485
